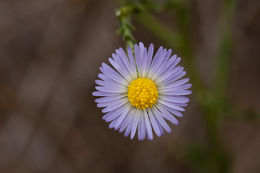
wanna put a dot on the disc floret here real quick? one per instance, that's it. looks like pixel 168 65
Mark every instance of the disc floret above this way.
pixel 142 93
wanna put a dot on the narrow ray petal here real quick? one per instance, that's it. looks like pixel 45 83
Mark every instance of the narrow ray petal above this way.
pixel 148 126
pixel 154 123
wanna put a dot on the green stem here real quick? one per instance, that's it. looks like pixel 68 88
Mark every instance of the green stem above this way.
pixel 225 50
pixel 157 29
pixel 125 27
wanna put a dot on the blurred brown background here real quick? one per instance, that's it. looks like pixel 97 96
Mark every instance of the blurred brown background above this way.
pixel 50 52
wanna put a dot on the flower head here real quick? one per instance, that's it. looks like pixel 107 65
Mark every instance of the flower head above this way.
pixel 140 91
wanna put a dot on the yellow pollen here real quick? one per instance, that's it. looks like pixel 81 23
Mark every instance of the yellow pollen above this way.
pixel 142 93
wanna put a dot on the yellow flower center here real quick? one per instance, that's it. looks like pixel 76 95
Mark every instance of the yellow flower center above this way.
pixel 142 93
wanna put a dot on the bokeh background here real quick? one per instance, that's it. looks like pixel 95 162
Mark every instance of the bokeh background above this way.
pixel 50 52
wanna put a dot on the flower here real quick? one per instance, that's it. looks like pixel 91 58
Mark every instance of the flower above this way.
pixel 141 91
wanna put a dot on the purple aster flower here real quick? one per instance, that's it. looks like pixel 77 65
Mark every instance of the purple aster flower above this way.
pixel 140 91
